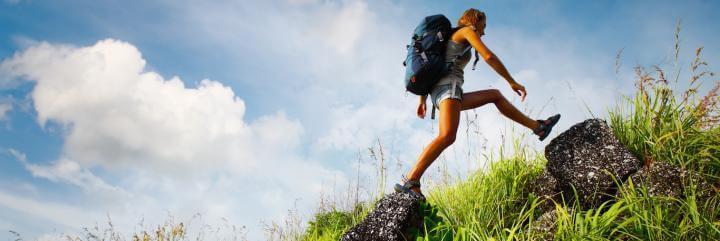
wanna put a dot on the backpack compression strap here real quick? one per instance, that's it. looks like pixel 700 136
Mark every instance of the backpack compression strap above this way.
pixel 477 58
pixel 432 112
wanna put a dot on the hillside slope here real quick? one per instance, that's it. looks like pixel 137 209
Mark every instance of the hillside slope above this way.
pixel 660 124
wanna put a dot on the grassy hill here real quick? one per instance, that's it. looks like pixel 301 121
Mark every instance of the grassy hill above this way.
pixel 661 123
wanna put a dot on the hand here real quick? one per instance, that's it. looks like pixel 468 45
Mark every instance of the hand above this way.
pixel 520 90
pixel 421 110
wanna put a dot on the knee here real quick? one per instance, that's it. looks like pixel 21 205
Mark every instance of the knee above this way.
pixel 495 95
pixel 446 139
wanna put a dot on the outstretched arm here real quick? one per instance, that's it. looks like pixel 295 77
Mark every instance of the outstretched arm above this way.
pixel 491 59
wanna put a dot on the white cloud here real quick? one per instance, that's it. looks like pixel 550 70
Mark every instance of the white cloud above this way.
pixel 345 27
pixel 358 127
pixel 119 115
pixel 167 147
pixel 66 215
pixel 70 172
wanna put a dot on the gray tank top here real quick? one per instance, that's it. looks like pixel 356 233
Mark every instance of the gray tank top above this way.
pixel 460 55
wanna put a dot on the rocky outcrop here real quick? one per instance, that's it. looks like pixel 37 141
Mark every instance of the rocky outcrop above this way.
pixel 588 159
pixel 664 179
pixel 391 220
pixel 546 187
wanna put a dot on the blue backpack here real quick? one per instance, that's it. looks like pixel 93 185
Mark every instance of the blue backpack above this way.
pixel 425 62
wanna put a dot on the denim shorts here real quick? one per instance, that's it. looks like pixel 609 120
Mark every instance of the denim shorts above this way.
pixel 445 91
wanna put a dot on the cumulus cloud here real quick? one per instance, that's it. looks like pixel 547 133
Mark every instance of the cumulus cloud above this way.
pixel 163 140
pixel 118 114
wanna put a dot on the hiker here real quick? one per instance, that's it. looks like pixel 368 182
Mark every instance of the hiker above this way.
pixel 447 95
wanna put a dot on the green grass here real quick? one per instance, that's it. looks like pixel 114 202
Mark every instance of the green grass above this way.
pixel 330 225
pixel 658 124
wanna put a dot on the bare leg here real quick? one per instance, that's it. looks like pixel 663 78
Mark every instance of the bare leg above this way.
pixel 476 99
pixel 449 120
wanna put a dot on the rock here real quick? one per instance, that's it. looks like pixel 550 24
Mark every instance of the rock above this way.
pixel 546 187
pixel 393 218
pixel 664 179
pixel 589 159
pixel 545 225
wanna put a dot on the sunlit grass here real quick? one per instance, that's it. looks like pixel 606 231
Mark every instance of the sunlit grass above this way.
pixel 660 123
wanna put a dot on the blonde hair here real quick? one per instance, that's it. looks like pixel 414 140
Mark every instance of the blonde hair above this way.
pixel 471 17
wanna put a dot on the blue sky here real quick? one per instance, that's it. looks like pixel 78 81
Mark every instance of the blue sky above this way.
pixel 243 110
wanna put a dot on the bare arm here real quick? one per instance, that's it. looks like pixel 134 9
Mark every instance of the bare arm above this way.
pixel 491 59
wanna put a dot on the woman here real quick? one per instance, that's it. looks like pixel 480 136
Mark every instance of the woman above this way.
pixel 448 96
